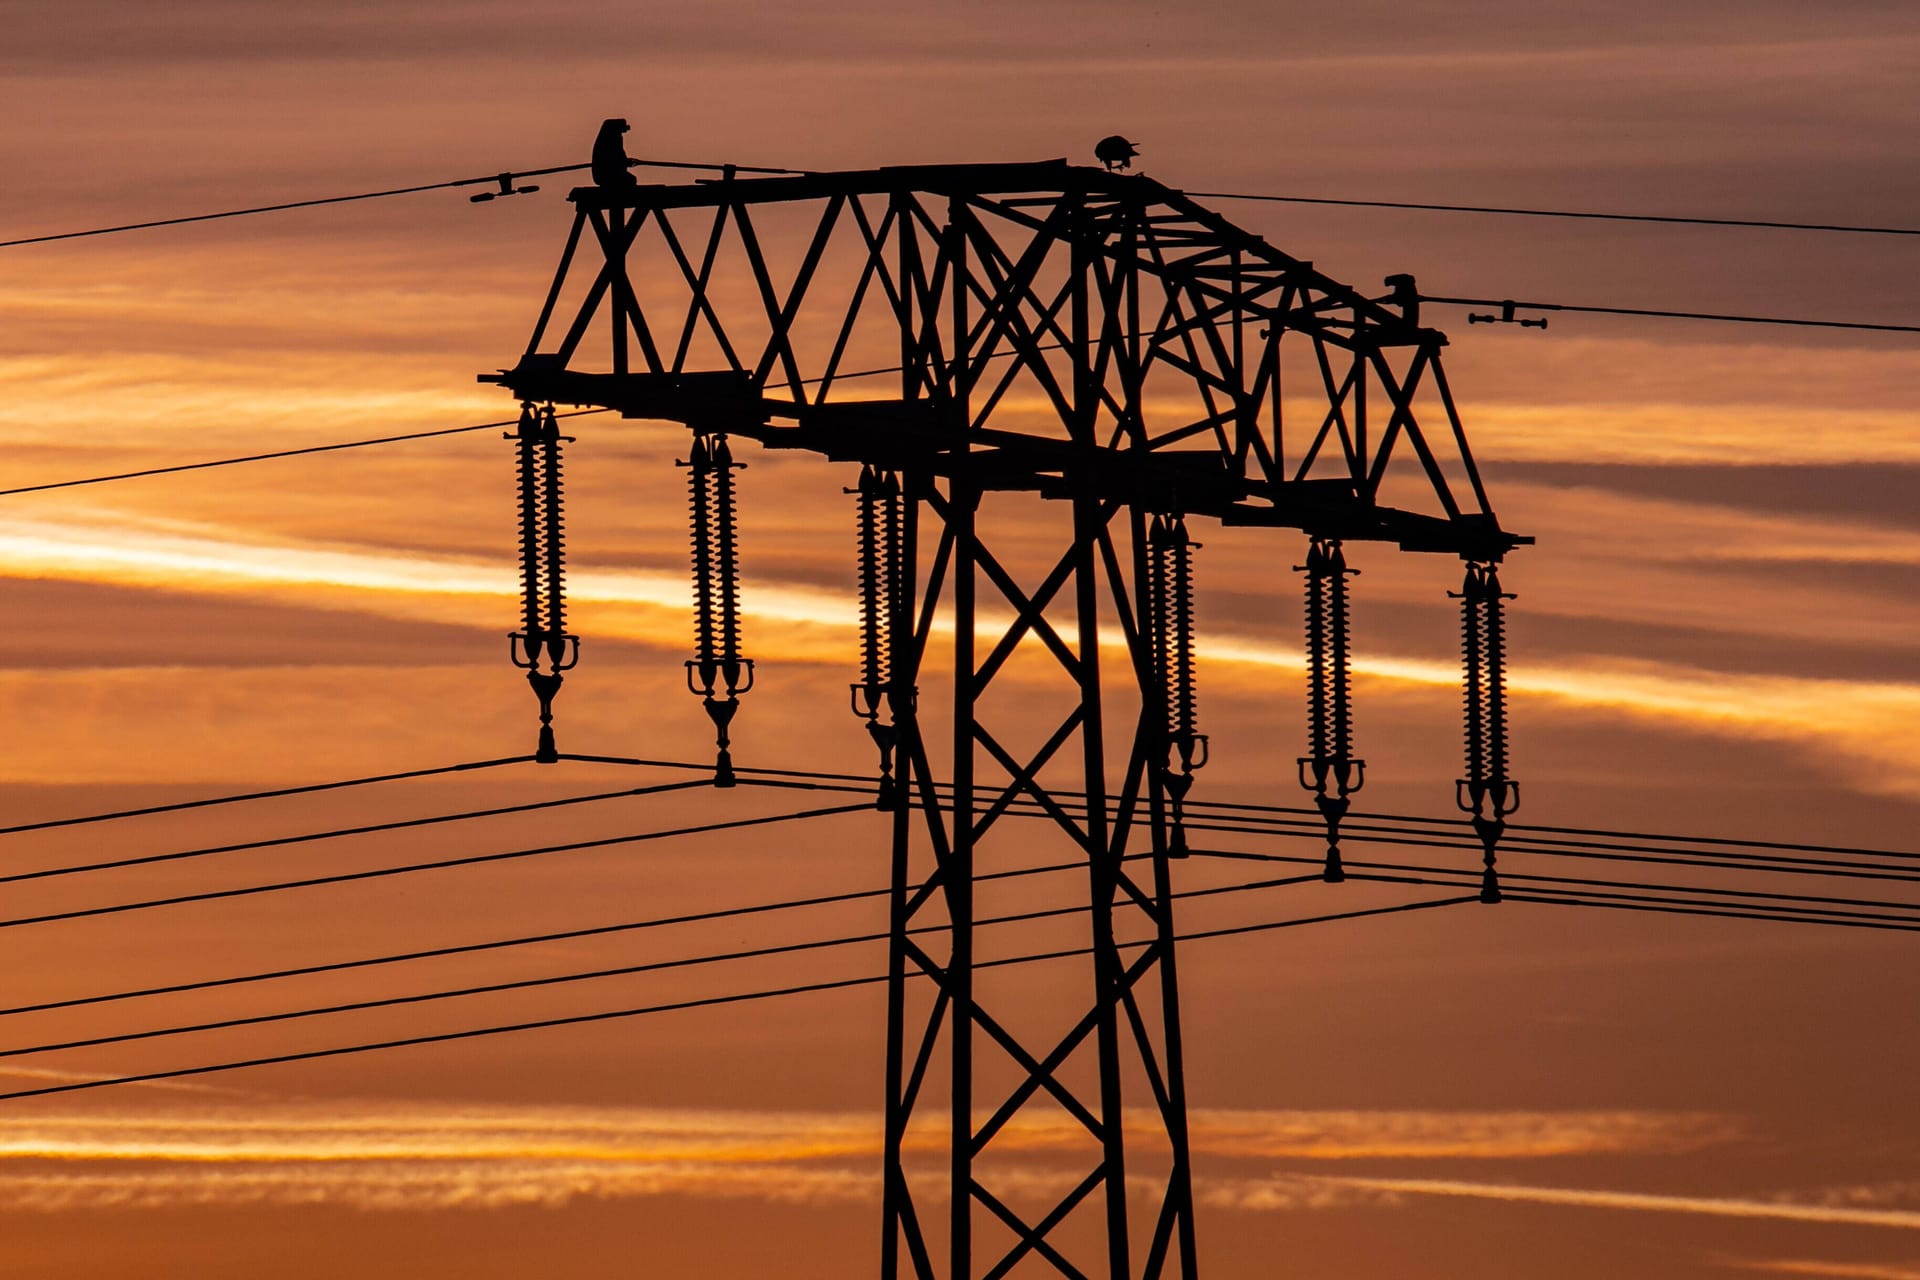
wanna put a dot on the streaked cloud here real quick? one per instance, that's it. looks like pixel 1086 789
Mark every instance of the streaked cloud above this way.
pixel 1778 1210
pixel 1873 726
pixel 441 1157
pixel 1426 1135
pixel 1832 1270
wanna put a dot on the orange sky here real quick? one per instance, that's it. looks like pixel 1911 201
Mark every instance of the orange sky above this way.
pixel 1714 634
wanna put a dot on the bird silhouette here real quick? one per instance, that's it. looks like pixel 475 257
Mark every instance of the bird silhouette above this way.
pixel 610 156
pixel 1115 152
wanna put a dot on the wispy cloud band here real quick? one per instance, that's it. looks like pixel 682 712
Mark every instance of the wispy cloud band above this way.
pixel 383 1157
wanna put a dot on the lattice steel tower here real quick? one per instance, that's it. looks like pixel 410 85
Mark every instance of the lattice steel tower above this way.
pixel 1100 341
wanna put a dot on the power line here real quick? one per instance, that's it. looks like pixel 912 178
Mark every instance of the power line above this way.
pixel 308 837
pixel 1755 896
pixel 1565 891
pixel 1765 905
pixel 1305 822
pixel 704 1002
pixel 505 181
pixel 1509 211
pixel 1664 905
pixel 836 984
pixel 1507 305
pixel 507 178
pixel 245 796
pixel 281 453
pixel 1675 858
pixel 286 206
pixel 1717 840
pixel 1767 910
pixel 346 877
pixel 1362 828
pixel 1359 872
pixel 435 953
pixel 1312 816
pixel 214 463
pixel 620 971
pixel 1699 909
pixel 1818 906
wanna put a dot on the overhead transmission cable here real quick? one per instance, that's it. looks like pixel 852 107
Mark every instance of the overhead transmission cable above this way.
pixel 335 833
pixel 609 1015
pixel 565 935
pixel 1768 905
pixel 1775 908
pixel 1692 859
pixel 246 796
pixel 443 864
pixel 1504 303
pixel 1792 904
pixel 1311 815
pixel 212 463
pixel 1299 822
pixel 1307 816
pixel 1765 224
pixel 1544 839
pixel 1364 871
pixel 618 971
pixel 504 181
pixel 280 453
pixel 1509 305
pixel 1301 827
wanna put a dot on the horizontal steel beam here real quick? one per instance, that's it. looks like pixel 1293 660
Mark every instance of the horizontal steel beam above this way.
pixel 919 437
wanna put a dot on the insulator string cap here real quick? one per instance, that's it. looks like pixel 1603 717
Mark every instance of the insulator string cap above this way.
pixel 542 647
pixel 1486 793
pixel 879 577
pixel 1170 623
pixel 717 672
pixel 1329 769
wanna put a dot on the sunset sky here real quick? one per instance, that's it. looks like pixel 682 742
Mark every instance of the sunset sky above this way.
pixel 1715 634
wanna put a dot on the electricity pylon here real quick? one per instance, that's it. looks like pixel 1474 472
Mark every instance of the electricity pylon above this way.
pixel 1132 360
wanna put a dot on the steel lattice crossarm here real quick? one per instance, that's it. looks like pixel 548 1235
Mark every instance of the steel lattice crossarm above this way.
pixel 1104 359
pixel 959 277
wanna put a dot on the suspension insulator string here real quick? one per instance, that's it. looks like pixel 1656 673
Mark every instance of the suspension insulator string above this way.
pixel 717 672
pixel 542 647
pixel 1329 770
pixel 879 578
pixel 1170 616
pixel 1486 793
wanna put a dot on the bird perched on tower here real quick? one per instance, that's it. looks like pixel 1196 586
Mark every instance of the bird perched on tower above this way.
pixel 610 156
pixel 1115 152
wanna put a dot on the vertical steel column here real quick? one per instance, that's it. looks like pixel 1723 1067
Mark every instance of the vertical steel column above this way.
pixel 1174 1228
pixel 957 878
pixel 919 803
pixel 900 1218
pixel 1089 526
